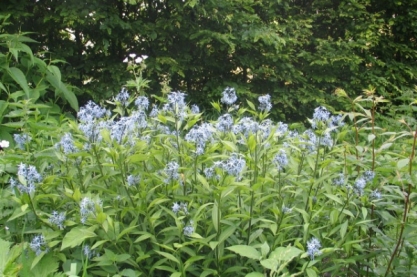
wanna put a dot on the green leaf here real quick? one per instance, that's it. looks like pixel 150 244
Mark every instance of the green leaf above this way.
pixel 215 216
pixel 135 158
pixel 254 274
pixel 4 253
pixel 125 231
pixel 280 258
pixel 371 137
pixel 55 81
pixel 55 71
pixel 343 229
pixel 251 105
pixel 77 236
pixel 216 106
pixel 20 211
pixel 285 253
pixel 20 78
pixel 127 272
pixel 334 198
pixel 122 257
pixel 311 272
pixel 168 256
pixel 265 249
pixel 402 163
pixel 246 251
pixel 143 237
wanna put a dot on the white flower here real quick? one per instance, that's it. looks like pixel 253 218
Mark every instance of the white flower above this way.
pixel 4 144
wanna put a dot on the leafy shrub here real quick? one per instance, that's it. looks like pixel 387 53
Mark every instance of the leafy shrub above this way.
pixel 151 189
pixel 30 85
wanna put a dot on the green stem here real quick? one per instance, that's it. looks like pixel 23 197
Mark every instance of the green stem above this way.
pixel 254 180
pixel 314 173
pixel 406 207
pixel 250 217
pixel 344 205
pixel 99 164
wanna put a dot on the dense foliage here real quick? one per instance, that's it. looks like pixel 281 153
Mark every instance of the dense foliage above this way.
pixel 150 189
pixel 297 51
pixel 150 186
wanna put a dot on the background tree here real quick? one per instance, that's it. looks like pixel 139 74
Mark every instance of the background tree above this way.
pixel 297 51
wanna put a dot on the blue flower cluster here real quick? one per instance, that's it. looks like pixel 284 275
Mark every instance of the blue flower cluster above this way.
pixel 339 180
pixel 189 229
pixel 313 248
pixel 57 219
pixel 176 104
pixel 29 176
pixel 88 253
pixel 123 97
pixel 90 112
pixel 246 126
pixel 229 96
pixel 142 103
pixel 224 123
pixel 21 140
pixel 38 244
pixel 172 172
pixel 281 159
pixel 88 207
pixel 322 118
pixel 178 207
pixel 233 166
pixel 195 109
pixel 200 135
pixel 282 129
pixel 265 103
pixel 361 182
pixel 66 145
pixel 133 180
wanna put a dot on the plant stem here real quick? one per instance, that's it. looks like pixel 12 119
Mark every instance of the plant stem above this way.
pixel 406 206
pixel 314 173
pixel 99 164
pixel 254 180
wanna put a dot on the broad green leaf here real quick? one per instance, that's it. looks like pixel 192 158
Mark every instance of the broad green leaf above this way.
pixel 20 211
pixel 285 253
pixel 265 249
pixel 311 272
pixel 364 212
pixel 122 257
pixel 127 272
pixel 216 106
pixel 251 105
pixel 135 158
pixel 4 253
pixel 334 198
pixel 371 137
pixel 226 233
pixel 62 89
pixel 55 71
pixel 77 236
pixel 246 251
pixel 143 237
pixel 402 163
pixel 125 231
pixel 168 256
pixel 215 216
pixel 20 78
pixel 3 107
pixel 254 274
pixel 343 229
